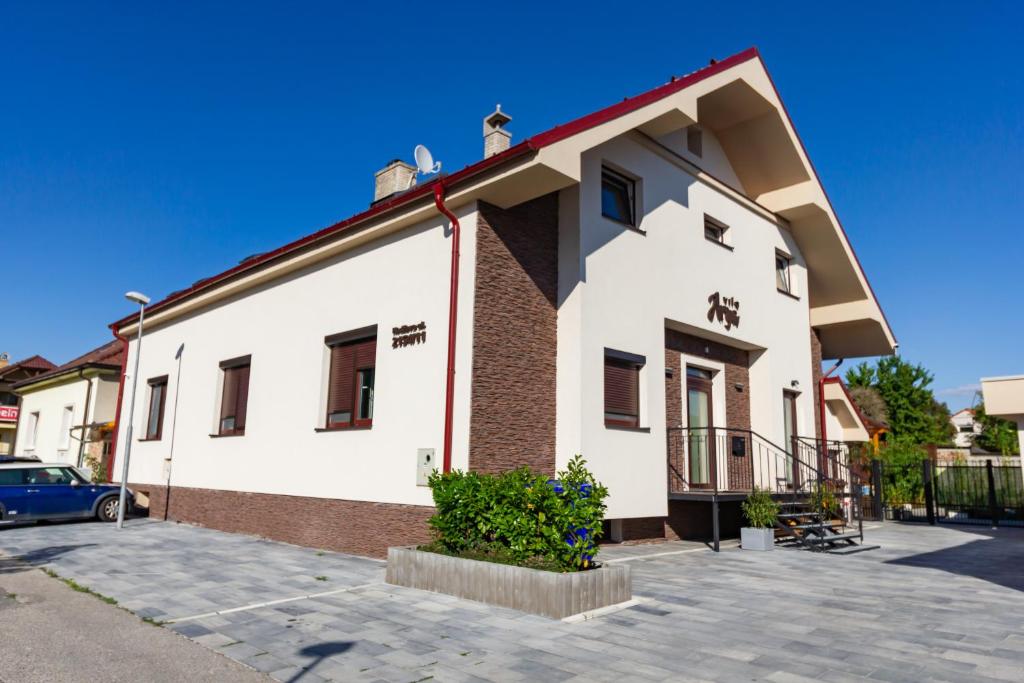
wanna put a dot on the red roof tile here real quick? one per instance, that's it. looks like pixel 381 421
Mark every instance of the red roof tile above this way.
pixel 36 362
pixel 110 354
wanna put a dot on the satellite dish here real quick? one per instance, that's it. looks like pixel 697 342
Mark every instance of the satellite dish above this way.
pixel 425 160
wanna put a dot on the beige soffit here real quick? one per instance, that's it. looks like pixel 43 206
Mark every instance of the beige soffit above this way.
pixel 1004 396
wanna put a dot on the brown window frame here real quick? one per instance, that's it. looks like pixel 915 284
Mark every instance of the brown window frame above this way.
pixel 622 368
pixel 716 227
pixel 241 366
pixel 622 182
pixel 347 391
pixel 154 382
pixel 788 260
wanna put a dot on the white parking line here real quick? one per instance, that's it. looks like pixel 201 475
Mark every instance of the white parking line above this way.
pixel 270 603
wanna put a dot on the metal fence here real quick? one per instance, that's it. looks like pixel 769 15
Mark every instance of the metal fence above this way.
pixel 976 493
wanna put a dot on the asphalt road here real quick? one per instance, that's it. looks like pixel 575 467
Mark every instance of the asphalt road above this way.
pixel 51 633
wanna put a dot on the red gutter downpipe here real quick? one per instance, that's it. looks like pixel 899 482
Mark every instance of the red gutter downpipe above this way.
pixel 120 400
pixel 821 413
pixel 453 302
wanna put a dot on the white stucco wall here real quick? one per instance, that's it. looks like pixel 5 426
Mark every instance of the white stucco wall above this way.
pixel 49 402
pixel 400 280
pixel 618 288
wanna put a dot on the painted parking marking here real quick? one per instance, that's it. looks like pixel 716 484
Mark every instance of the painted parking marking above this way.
pixel 271 603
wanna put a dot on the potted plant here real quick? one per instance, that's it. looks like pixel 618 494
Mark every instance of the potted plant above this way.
pixel 761 512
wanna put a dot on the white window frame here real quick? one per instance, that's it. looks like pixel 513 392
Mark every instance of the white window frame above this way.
pixel 788 271
pixel 64 436
pixel 32 431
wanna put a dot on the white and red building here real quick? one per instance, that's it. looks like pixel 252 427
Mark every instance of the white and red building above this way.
pixel 666 265
pixel 10 402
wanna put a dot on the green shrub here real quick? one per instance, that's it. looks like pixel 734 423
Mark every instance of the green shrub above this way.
pixel 760 509
pixel 824 501
pixel 520 516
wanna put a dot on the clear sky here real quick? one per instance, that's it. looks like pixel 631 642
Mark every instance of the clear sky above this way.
pixel 145 147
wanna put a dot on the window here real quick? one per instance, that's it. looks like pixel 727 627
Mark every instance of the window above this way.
pixel 157 398
pixel 8 399
pixel 36 476
pixel 235 396
pixel 782 275
pixel 618 197
pixel 31 430
pixel 715 230
pixel 695 140
pixel 351 380
pixel 64 437
pixel 15 477
pixel 622 388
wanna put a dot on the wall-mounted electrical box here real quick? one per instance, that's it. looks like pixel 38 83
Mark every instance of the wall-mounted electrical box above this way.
pixel 425 465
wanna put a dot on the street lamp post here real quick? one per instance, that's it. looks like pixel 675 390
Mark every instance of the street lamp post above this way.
pixel 141 300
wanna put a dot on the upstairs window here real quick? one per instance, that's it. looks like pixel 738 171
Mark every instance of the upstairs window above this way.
pixel 157 398
pixel 715 230
pixel 622 388
pixel 31 430
pixel 695 140
pixel 783 277
pixel 618 197
pixel 351 383
pixel 235 396
pixel 67 416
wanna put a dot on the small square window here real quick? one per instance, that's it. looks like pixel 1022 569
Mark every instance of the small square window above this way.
pixel 715 230
pixel 618 197
pixel 783 277
pixel 695 140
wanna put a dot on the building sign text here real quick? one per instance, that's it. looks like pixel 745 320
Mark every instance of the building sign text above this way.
pixel 407 335
pixel 725 309
pixel 8 413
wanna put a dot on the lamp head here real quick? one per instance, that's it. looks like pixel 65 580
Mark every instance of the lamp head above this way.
pixel 138 297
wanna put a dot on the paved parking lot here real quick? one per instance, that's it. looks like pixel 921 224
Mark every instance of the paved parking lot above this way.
pixel 933 604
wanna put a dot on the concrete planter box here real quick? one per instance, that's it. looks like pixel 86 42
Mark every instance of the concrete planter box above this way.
pixel 550 594
pixel 757 539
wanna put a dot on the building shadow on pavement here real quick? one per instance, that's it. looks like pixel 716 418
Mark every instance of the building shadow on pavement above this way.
pixel 997 557
pixel 34 558
pixel 319 653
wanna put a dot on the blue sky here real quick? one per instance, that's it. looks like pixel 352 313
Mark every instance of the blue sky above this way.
pixel 145 147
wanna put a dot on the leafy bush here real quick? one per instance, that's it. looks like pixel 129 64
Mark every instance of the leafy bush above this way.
pixel 520 517
pixel 902 476
pixel 824 501
pixel 760 509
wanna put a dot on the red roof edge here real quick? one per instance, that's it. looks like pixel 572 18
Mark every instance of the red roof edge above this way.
pixel 864 420
pixel 531 144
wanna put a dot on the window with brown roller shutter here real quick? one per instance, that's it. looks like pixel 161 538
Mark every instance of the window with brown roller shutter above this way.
pixel 622 389
pixel 351 381
pixel 235 396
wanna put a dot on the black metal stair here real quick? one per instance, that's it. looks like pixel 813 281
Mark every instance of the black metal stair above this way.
pixel 801 525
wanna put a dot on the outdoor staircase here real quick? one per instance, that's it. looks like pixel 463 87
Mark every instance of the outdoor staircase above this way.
pixel 800 525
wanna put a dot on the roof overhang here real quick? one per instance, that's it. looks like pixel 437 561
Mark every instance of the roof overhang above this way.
pixel 735 98
pixel 75 374
pixel 841 405
pixel 1004 396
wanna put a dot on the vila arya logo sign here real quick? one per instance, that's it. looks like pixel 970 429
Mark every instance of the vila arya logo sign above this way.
pixel 726 310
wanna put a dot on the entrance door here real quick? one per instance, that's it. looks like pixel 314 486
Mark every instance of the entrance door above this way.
pixel 699 422
pixel 789 442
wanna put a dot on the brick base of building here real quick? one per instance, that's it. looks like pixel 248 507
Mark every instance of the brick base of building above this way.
pixel 349 526
pixel 686 521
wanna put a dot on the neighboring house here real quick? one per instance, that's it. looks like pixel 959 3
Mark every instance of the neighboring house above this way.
pixel 10 403
pixel 1004 397
pixel 670 263
pixel 966 427
pixel 68 411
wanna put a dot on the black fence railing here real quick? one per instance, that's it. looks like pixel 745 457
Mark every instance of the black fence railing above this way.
pixel 718 460
pixel 982 493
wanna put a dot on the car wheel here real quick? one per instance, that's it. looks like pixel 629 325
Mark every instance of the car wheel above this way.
pixel 107 511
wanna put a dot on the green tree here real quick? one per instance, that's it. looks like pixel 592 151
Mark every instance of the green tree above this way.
pixel 997 435
pixel 914 415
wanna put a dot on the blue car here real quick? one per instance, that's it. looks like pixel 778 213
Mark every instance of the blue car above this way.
pixel 33 491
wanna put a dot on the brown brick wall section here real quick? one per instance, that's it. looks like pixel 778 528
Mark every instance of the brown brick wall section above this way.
pixel 815 378
pixel 512 419
pixel 350 526
pixel 737 402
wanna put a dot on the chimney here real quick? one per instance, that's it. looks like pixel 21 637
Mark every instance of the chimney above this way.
pixel 396 177
pixel 4 360
pixel 496 138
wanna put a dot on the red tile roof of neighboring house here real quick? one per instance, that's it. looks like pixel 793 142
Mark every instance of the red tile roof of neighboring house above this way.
pixel 36 362
pixel 109 355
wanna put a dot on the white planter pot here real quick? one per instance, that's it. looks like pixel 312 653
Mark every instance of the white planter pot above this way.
pixel 757 539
